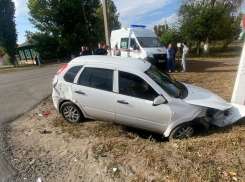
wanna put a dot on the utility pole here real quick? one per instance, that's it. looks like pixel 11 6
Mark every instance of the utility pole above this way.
pixel 86 23
pixel 105 13
pixel 165 24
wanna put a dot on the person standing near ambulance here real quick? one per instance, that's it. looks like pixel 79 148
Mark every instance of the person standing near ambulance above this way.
pixel 83 53
pixel 170 59
pixel 88 52
pixel 183 63
pixel 116 52
pixel 100 50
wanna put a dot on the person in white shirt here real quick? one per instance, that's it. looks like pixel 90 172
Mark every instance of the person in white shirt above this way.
pixel 183 63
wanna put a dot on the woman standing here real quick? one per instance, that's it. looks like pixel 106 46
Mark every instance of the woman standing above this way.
pixel 170 59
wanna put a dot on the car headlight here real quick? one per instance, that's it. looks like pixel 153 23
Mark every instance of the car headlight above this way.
pixel 149 55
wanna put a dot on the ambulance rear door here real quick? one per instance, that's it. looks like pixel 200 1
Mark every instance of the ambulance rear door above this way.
pixel 115 39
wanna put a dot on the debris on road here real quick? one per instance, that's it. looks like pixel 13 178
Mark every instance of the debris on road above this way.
pixel 32 162
pixel 45 114
pixel 43 131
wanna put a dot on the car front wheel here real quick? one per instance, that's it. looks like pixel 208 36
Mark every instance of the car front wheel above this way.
pixel 183 131
pixel 71 112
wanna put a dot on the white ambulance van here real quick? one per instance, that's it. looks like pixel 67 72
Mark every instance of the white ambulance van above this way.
pixel 140 43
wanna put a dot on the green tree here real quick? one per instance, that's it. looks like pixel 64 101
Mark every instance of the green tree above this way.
pixel 8 35
pixel 63 22
pixel 231 5
pixel 45 43
pixel 205 22
pixel 170 35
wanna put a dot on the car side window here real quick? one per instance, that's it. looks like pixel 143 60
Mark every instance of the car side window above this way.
pixel 97 78
pixel 71 73
pixel 133 85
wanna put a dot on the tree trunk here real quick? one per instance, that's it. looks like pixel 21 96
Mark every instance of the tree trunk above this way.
pixel 198 48
pixel 214 46
pixel 212 2
pixel 16 64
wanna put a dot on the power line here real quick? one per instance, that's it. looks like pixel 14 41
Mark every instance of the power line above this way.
pixel 171 5
pixel 145 22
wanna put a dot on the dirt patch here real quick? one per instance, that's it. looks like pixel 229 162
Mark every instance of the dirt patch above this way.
pixel 54 150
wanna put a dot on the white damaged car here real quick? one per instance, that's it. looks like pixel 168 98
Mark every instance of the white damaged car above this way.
pixel 133 92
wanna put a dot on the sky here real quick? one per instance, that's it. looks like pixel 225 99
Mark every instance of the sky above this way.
pixel 149 13
pixel 143 12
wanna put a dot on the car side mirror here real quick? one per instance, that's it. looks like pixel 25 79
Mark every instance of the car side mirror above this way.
pixel 159 100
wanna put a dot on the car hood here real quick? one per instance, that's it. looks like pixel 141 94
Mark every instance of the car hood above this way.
pixel 202 97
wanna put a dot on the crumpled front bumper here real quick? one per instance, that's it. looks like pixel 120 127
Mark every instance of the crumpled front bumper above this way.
pixel 229 116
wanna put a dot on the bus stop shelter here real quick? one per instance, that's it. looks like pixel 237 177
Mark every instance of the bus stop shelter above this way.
pixel 26 51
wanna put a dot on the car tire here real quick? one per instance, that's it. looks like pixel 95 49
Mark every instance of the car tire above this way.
pixel 71 112
pixel 182 131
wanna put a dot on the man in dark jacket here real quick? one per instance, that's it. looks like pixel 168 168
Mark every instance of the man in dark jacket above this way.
pixel 88 52
pixel 83 53
pixel 100 50
pixel 174 47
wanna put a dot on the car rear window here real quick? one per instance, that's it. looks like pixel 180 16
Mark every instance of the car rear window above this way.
pixel 71 73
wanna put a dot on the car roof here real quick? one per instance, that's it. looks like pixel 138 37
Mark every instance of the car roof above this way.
pixel 137 64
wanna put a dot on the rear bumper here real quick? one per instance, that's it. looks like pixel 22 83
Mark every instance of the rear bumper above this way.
pixel 56 98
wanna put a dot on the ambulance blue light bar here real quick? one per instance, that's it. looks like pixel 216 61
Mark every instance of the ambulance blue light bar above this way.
pixel 142 26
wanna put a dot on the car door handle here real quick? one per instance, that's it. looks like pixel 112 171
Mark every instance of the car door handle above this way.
pixel 122 102
pixel 79 92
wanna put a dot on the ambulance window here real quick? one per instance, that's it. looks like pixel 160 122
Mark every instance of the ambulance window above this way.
pixel 124 43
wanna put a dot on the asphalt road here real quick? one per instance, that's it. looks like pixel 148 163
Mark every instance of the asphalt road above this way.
pixel 20 92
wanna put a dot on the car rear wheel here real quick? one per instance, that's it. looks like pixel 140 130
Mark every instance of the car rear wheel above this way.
pixel 71 112
pixel 182 131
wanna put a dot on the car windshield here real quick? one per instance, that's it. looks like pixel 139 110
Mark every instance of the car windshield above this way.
pixel 165 82
pixel 149 42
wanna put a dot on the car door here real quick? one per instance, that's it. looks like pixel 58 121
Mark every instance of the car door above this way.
pixel 94 91
pixel 134 104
